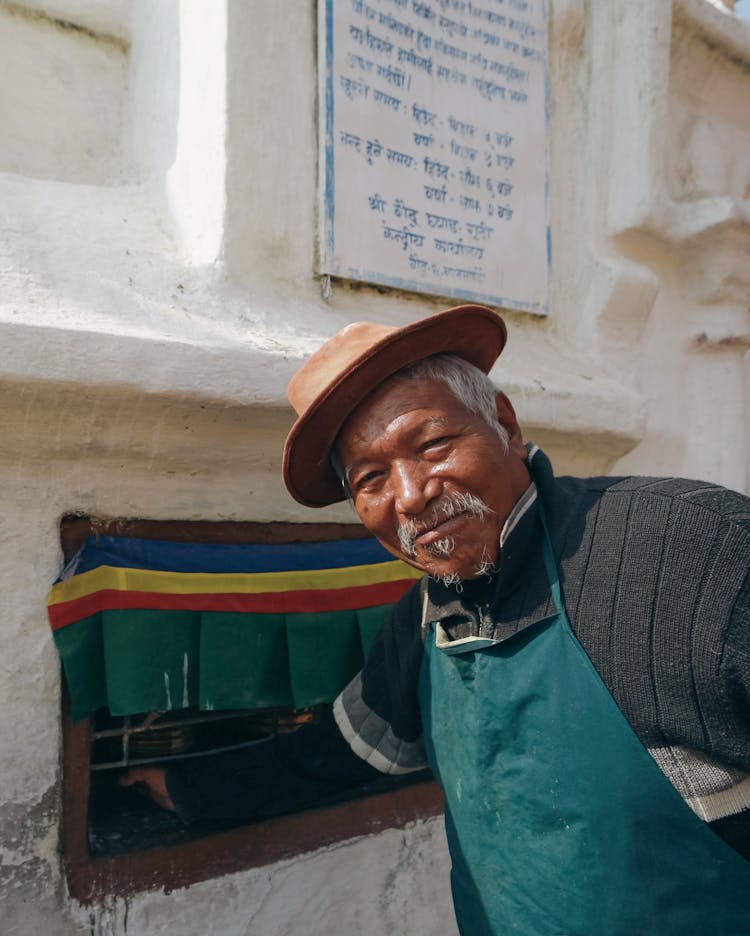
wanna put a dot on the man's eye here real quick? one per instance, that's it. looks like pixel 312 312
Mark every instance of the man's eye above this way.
pixel 434 443
pixel 368 478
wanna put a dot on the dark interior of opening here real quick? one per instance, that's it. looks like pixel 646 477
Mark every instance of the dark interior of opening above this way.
pixel 123 820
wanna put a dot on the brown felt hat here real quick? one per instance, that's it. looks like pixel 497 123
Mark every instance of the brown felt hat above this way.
pixel 328 387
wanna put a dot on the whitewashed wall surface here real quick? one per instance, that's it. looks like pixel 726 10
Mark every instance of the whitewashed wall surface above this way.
pixel 159 282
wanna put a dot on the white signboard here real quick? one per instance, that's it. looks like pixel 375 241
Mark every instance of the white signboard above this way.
pixel 434 147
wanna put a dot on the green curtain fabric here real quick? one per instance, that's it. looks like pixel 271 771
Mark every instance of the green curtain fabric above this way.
pixel 159 660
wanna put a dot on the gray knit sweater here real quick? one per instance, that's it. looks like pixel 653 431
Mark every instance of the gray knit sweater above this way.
pixel 655 575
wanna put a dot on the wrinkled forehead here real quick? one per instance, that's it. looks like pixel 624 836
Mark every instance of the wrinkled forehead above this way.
pixel 394 399
pixel 365 414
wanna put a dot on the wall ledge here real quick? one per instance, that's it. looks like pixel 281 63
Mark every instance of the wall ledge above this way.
pixel 717 26
pixel 566 396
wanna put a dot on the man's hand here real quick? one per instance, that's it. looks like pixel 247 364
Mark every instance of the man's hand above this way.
pixel 152 782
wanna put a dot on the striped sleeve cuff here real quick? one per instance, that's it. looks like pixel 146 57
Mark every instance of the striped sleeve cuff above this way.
pixel 372 738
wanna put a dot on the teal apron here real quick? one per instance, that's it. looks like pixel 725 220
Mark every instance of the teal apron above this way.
pixel 558 819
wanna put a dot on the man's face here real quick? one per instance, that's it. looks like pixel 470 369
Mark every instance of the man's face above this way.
pixel 421 465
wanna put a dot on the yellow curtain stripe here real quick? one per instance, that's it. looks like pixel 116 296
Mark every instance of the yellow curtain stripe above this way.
pixel 249 583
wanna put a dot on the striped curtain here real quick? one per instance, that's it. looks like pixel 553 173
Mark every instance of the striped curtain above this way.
pixel 149 625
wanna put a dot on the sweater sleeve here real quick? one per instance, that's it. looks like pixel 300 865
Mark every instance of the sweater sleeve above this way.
pixel 287 773
pixel 378 712
pixel 735 664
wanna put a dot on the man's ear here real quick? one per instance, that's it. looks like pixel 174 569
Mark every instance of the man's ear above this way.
pixel 506 416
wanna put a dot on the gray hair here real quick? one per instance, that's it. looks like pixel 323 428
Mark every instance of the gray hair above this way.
pixel 468 384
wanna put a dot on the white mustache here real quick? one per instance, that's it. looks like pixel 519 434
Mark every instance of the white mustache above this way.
pixel 449 506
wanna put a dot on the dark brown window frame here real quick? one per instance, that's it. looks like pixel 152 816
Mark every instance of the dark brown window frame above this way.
pixel 241 848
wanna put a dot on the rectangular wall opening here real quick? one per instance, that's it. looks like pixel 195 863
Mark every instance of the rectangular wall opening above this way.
pixel 119 842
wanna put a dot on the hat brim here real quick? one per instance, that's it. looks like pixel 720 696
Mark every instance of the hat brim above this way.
pixel 474 333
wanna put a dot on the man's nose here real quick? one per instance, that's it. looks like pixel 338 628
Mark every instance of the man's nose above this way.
pixel 414 487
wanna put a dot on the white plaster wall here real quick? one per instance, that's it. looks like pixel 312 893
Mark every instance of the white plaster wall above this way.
pixel 196 179
pixel 105 18
pixel 385 885
pixel 693 235
pixel 158 287
pixel 61 100
pixel 120 453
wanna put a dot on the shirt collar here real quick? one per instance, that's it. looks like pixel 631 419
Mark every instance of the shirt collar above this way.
pixel 520 508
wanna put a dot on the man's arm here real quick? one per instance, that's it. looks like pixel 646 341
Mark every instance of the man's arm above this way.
pixel 735 666
pixel 286 773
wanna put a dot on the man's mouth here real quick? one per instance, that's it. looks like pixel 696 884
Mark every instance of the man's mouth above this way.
pixel 440 530
pixel 435 532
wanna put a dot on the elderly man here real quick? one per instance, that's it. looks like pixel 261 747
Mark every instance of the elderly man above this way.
pixel 575 666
